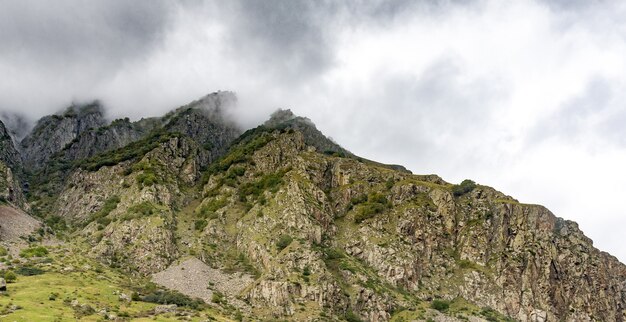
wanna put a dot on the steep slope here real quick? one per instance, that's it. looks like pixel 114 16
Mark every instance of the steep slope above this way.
pixel 10 171
pixel 52 133
pixel 201 121
pixel 334 236
pixel 335 232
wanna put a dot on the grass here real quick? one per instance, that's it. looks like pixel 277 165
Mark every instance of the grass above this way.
pixel 375 204
pixel 37 251
pixel 47 296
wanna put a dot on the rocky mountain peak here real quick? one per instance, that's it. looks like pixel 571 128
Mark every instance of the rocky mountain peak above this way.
pixel 52 133
pixel 283 119
pixel 8 153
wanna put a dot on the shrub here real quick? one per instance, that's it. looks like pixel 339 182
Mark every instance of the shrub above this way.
pixel 38 251
pixel 465 187
pixel 3 251
pixel 376 203
pixel 213 206
pixel 145 208
pixel 283 242
pixel 352 317
pixel 172 297
pixel 55 222
pixel 440 305
pixel 218 298
pixel 10 277
pixel 146 179
pixel 267 182
pixel 333 253
pixel 29 271
pixel 200 224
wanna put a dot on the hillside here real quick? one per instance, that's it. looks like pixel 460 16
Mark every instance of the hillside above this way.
pixel 279 223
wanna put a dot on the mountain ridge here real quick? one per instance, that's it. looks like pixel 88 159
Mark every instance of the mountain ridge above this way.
pixel 322 234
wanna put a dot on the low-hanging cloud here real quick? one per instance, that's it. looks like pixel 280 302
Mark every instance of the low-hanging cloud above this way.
pixel 524 96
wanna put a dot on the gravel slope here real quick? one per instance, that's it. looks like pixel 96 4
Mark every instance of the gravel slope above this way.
pixel 194 278
pixel 15 223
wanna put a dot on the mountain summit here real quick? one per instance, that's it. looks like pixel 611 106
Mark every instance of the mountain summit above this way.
pixel 188 216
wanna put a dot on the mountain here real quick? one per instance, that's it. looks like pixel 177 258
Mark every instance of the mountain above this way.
pixel 281 223
pixel 10 170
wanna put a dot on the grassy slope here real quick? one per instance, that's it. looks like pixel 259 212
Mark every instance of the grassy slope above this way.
pixel 69 278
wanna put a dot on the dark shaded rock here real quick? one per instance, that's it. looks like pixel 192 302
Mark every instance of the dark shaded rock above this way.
pixel 55 132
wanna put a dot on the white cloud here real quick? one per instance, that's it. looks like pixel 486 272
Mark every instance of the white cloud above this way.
pixel 524 96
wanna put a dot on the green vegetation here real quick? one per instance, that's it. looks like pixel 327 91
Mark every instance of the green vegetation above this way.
pixel 57 223
pixel 493 316
pixel 199 225
pixel 375 204
pixel 145 208
pixel 100 216
pixel 266 182
pixel 352 317
pixel 465 187
pixel 29 271
pixel 218 298
pixel 37 251
pixel 133 151
pixel 172 297
pixel 3 251
pixel 240 151
pixel 440 305
pixel 10 276
pixel 283 242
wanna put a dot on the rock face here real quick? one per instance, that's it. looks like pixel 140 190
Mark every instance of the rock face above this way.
pixel 99 140
pixel 55 132
pixel 205 122
pixel 285 119
pixel 10 171
pixel 318 233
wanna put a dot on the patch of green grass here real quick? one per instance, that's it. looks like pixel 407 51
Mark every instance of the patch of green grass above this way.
pixel 283 242
pixel 145 208
pixel 266 182
pixel 199 225
pixel 36 251
pixel 440 305
pixel 376 203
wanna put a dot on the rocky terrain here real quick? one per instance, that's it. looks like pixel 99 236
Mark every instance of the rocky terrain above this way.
pixel 281 223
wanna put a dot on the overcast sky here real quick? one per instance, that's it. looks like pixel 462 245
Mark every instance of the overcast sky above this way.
pixel 525 96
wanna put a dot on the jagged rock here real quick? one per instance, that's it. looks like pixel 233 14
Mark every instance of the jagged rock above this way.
pixel 10 171
pixel 327 235
pixel 3 285
pixel 124 297
pixel 538 316
pixel 53 133
pixel 160 309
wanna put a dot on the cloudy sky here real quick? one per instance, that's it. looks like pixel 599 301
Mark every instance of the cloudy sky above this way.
pixel 525 96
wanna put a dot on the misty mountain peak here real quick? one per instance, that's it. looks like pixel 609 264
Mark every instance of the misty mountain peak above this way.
pixel 215 103
pixel 52 133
